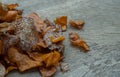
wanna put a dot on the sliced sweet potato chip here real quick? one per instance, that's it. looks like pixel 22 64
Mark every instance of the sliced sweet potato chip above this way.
pixel 10 16
pixel 58 39
pixel 77 23
pixel 8 13
pixel 3 11
pixel 38 22
pixel 6 27
pixel 22 61
pixel 12 6
pixel 77 41
pixel 35 56
pixel 51 59
pixel 62 21
pixel 47 72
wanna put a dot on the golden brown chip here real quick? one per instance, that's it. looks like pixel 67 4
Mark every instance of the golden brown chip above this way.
pixel 3 25
pixel 47 72
pixel 3 11
pixel 77 23
pixel 35 56
pixel 62 21
pixel 22 61
pixel 77 41
pixel 10 16
pixel 57 39
pixel 51 59
pixel 8 13
pixel 12 6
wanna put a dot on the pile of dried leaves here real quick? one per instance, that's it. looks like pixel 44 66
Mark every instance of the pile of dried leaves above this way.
pixel 31 42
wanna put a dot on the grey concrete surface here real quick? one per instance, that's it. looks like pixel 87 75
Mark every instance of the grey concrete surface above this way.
pixel 101 31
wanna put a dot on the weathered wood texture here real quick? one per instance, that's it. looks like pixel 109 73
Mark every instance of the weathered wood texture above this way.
pixel 101 31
